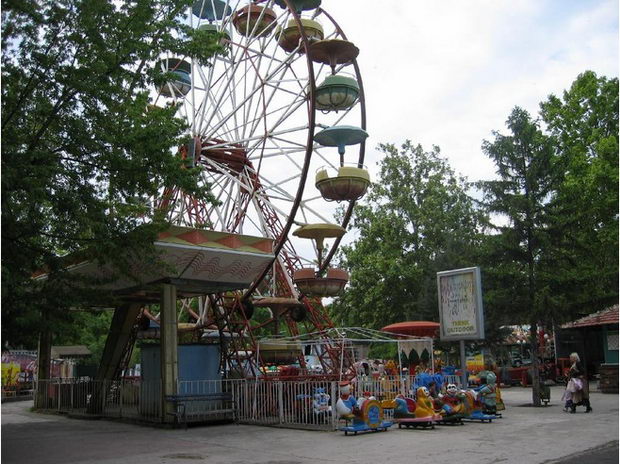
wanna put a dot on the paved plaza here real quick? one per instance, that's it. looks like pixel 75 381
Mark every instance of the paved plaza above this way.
pixel 525 435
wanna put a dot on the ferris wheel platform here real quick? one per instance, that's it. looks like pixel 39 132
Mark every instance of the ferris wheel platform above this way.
pixel 196 261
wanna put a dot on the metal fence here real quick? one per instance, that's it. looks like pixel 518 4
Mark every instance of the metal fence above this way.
pixel 304 404
pixel 297 404
pixel 387 387
pixel 121 398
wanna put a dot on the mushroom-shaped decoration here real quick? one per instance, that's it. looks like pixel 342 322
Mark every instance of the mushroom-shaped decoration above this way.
pixel 340 136
pixel 211 9
pixel 254 20
pixel 181 83
pixel 300 5
pixel 333 52
pixel 290 37
pixel 318 233
pixel 337 93
pixel 350 183
pixel 309 284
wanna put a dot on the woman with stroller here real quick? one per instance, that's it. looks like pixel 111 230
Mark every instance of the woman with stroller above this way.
pixel 577 391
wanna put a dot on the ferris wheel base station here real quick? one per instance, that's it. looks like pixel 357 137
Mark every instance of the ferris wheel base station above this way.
pixel 196 261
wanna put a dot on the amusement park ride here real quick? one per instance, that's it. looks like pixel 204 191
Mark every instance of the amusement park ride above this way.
pixel 281 101
pixel 245 275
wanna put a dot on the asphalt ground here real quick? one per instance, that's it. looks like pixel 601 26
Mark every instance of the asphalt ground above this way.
pixel 607 454
pixel 525 435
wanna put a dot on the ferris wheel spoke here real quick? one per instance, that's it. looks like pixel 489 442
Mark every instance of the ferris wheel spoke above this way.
pixel 279 153
pixel 318 197
pixel 263 223
pixel 247 98
pixel 325 160
pixel 305 207
pixel 208 102
pixel 275 139
pixel 271 60
pixel 274 149
pixel 223 87
pixel 253 61
pixel 224 183
pixel 227 79
pixel 275 207
pixel 260 110
pixel 223 171
pixel 226 210
pixel 295 147
pixel 300 100
pixel 259 139
pixel 268 185
pixel 277 86
pixel 207 80
pixel 290 112
pixel 256 121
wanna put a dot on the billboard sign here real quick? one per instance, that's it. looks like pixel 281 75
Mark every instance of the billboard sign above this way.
pixel 460 304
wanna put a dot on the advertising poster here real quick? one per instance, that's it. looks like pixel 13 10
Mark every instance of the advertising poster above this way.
pixel 460 304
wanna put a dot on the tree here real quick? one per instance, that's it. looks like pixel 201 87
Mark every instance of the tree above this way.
pixel 417 220
pixel 520 197
pixel 583 125
pixel 81 155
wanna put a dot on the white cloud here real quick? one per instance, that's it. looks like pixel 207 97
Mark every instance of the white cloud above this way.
pixel 448 73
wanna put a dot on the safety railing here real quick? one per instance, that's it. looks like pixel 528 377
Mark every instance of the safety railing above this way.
pixel 298 404
pixel 122 398
pixel 205 400
pixel 387 387
pixel 304 404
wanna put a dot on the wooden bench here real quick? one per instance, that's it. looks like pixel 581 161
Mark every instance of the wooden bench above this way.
pixel 180 405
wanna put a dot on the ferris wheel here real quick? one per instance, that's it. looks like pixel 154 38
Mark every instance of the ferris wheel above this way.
pixel 277 123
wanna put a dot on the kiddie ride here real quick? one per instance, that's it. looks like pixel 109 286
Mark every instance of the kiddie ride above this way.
pixel 365 415
pixel 484 403
pixel 451 406
pixel 418 413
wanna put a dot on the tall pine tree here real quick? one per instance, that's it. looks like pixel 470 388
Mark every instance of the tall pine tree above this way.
pixel 519 200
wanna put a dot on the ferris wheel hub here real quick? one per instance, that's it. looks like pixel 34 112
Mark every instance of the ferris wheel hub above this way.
pixel 232 155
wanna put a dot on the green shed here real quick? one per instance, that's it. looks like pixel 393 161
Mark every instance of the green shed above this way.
pixel 602 325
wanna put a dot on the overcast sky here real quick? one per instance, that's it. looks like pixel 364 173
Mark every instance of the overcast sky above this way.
pixel 448 72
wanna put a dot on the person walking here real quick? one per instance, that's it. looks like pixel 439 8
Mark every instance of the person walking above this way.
pixel 577 377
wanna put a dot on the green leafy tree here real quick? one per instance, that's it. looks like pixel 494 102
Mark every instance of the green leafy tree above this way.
pixel 519 198
pixel 81 155
pixel 89 329
pixel 583 125
pixel 417 220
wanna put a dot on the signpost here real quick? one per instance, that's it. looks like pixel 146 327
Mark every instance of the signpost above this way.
pixel 461 316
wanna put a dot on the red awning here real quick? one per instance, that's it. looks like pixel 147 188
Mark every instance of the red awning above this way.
pixel 604 317
pixel 416 328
